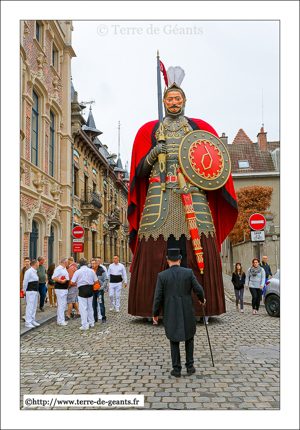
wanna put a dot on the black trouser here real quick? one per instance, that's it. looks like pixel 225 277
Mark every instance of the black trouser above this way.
pixel 256 293
pixel 175 354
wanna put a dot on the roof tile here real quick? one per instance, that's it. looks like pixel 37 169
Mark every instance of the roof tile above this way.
pixel 259 161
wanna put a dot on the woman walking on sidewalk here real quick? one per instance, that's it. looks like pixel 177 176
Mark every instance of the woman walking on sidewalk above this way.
pixel 255 280
pixel 51 285
pixel 238 280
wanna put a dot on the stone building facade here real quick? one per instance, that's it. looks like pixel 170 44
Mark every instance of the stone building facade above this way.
pixel 100 191
pixel 45 139
pixel 255 163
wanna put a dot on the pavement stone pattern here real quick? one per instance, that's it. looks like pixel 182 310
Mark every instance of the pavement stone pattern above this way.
pixel 128 355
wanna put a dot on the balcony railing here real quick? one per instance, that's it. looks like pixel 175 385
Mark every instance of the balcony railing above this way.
pixel 91 198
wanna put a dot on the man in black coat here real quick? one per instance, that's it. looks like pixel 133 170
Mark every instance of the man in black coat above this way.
pixel 174 294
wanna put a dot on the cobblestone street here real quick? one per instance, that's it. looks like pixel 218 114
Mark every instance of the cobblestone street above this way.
pixel 128 355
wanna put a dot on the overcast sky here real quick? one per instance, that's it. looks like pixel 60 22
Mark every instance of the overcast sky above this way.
pixel 232 69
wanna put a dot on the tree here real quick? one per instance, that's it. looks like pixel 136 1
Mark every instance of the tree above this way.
pixel 249 200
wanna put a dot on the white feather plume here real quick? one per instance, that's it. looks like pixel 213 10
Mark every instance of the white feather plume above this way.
pixel 175 74
pixel 179 75
pixel 171 75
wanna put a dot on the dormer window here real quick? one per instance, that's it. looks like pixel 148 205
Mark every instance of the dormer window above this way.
pixel 243 164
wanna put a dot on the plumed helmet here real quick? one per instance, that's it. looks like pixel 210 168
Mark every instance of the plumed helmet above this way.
pixel 175 77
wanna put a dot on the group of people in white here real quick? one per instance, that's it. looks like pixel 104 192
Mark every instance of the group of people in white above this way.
pixel 87 284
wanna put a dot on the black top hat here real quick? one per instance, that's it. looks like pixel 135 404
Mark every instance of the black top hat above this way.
pixel 173 254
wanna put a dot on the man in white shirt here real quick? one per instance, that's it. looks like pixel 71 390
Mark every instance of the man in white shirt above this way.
pixel 85 279
pixel 116 273
pixel 30 289
pixel 61 278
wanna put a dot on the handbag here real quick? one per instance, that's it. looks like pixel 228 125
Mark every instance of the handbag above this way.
pixel 21 294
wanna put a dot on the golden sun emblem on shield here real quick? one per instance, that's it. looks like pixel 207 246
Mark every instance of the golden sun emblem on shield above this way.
pixel 206 159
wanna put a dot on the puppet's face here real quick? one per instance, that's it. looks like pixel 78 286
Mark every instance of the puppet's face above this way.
pixel 174 103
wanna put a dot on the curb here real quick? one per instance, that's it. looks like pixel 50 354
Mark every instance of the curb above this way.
pixel 42 322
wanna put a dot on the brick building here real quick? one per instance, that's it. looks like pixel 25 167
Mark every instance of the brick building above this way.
pixel 45 139
pixel 255 163
pixel 100 191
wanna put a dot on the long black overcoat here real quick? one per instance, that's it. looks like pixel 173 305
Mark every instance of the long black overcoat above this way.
pixel 174 294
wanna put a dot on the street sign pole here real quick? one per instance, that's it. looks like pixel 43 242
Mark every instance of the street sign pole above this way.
pixel 257 223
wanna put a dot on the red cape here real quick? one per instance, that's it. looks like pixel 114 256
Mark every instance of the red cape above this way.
pixel 222 202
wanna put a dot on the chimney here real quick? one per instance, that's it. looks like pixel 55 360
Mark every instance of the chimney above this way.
pixel 262 139
pixel 224 139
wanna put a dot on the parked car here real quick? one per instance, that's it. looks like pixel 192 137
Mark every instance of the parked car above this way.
pixel 272 295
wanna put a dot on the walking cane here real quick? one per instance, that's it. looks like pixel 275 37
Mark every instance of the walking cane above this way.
pixel 212 359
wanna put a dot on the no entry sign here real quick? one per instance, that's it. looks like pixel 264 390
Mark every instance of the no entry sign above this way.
pixel 78 232
pixel 257 221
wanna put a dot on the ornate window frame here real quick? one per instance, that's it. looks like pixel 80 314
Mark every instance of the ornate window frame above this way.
pixel 34 133
pixel 52 145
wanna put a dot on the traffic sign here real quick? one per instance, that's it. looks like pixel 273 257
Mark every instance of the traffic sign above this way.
pixel 78 232
pixel 257 221
pixel 78 240
pixel 78 247
pixel 257 236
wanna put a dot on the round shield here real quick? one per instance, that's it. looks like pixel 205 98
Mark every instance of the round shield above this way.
pixel 204 160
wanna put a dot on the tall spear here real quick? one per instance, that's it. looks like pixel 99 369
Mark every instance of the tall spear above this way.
pixel 161 136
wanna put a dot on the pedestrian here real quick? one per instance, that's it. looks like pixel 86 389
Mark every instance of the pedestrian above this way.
pixel 115 273
pixel 100 262
pixel 72 290
pixel 85 279
pixel 51 285
pixel 61 278
pixel 30 289
pixel 255 279
pixel 41 271
pixel 265 265
pixel 238 280
pixel 26 266
pixel 173 294
pixel 99 290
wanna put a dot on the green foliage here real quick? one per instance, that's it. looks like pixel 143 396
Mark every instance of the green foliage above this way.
pixel 250 200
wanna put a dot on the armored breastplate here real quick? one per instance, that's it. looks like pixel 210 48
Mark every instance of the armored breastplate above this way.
pixel 163 210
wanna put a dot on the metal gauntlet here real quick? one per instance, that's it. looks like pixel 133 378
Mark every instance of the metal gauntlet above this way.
pixel 151 158
pixel 153 154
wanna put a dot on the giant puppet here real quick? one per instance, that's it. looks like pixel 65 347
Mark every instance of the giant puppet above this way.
pixel 181 195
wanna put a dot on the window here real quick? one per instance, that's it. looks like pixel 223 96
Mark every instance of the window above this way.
pixel 104 248
pixel 85 188
pixel 54 56
pixel 94 187
pixel 37 31
pixel 39 34
pixel 51 145
pixel 50 246
pixel 75 183
pixel 93 243
pixel 34 129
pixel 76 154
pixel 34 235
pixel 243 164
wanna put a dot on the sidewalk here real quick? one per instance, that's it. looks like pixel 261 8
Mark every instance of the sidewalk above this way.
pixel 229 291
pixel 41 317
